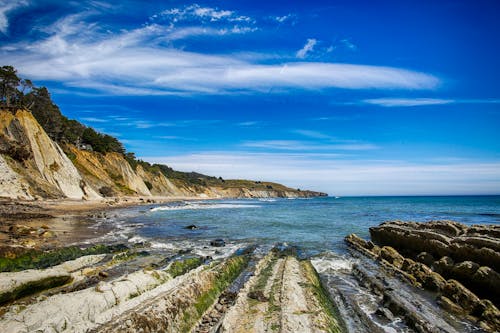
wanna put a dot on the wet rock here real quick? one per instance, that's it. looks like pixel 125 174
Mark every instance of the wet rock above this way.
pixel 479 244
pixel 392 256
pixel 386 313
pixel 425 258
pixel 448 305
pixel 191 227
pixel 103 274
pixel 455 291
pixel 258 295
pixel 219 242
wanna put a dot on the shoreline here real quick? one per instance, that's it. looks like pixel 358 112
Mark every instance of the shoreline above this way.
pixel 53 223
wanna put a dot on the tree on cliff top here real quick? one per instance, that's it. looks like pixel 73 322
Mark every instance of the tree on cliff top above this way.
pixel 9 81
pixel 17 92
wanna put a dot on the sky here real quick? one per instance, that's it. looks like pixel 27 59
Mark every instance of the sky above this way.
pixel 345 97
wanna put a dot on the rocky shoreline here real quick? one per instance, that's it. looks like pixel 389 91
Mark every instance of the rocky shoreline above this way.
pixel 456 264
pixel 411 277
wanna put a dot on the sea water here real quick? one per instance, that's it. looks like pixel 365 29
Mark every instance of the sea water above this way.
pixel 315 225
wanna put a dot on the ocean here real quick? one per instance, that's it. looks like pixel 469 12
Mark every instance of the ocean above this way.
pixel 315 225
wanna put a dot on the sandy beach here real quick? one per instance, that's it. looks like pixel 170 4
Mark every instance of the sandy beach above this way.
pixel 48 224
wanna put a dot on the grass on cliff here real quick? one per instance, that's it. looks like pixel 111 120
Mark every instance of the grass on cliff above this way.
pixel 35 259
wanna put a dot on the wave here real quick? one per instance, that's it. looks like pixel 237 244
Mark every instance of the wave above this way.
pixel 197 206
pixel 334 263
pixel 267 200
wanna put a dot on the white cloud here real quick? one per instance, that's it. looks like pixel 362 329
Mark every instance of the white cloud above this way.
pixel 297 145
pixel 7 6
pixel 398 102
pixel 94 120
pixel 348 44
pixel 313 134
pixel 284 18
pixel 136 62
pixel 308 47
pixel 198 12
pixel 401 102
pixel 325 172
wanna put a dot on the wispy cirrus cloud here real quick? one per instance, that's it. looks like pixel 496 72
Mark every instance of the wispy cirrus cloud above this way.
pixel 399 102
pixel 402 102
pixel 299 145
pixel 308 47
pixel 88 59
pixel 197 12
pixel 7 6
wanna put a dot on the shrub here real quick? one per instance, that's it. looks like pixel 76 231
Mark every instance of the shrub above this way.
pixel 107 191
pixel 148 185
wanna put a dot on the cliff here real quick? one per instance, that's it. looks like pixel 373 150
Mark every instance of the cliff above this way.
pixel 33 166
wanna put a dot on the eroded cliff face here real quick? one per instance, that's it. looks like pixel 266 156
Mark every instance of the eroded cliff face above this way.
pixel 34 166
pixel 33 159
pixel 109 170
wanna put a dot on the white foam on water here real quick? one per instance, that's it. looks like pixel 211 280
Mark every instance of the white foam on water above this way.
pixel 326 263
pixel 197 206
pixel 267 200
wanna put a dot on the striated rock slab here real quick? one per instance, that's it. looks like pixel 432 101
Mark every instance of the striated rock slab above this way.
pixel 470 255
pixel 451 294
pixel 17 284
pixel 285 295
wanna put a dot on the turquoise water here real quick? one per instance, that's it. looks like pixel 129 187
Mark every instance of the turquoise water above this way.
pixel 315 225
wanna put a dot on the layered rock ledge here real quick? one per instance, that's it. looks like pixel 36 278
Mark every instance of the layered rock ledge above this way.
pixel 457 263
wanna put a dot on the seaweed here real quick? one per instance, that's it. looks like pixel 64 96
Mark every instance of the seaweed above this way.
pixel 335 323
pixel 229 271
pixel 183 266
pixel 33 287
pixel 35 259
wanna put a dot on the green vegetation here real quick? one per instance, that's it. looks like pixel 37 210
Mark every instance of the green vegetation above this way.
pixel 148 185
pixel 226 274
pixel 17 93
pixel 35 259
pixel 34 287
pixel 335 323
pixel 181 267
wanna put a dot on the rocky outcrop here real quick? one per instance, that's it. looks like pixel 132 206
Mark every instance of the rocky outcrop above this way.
pixel 285 295
pixel 425 255
pixel 12 185
pixel 14 285
pixel 247 291
pixel 38 160
pixel 470 255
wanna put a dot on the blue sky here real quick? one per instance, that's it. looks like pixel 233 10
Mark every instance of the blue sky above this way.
pixel 347 97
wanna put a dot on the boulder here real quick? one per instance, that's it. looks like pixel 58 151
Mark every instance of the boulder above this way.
pixel 219 242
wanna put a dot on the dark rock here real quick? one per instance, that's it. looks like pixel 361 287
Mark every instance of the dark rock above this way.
pixel 191 227
pixel 386 313
pixel 258 295
pixel 103 274
pixel 425 258
pixel 219 242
